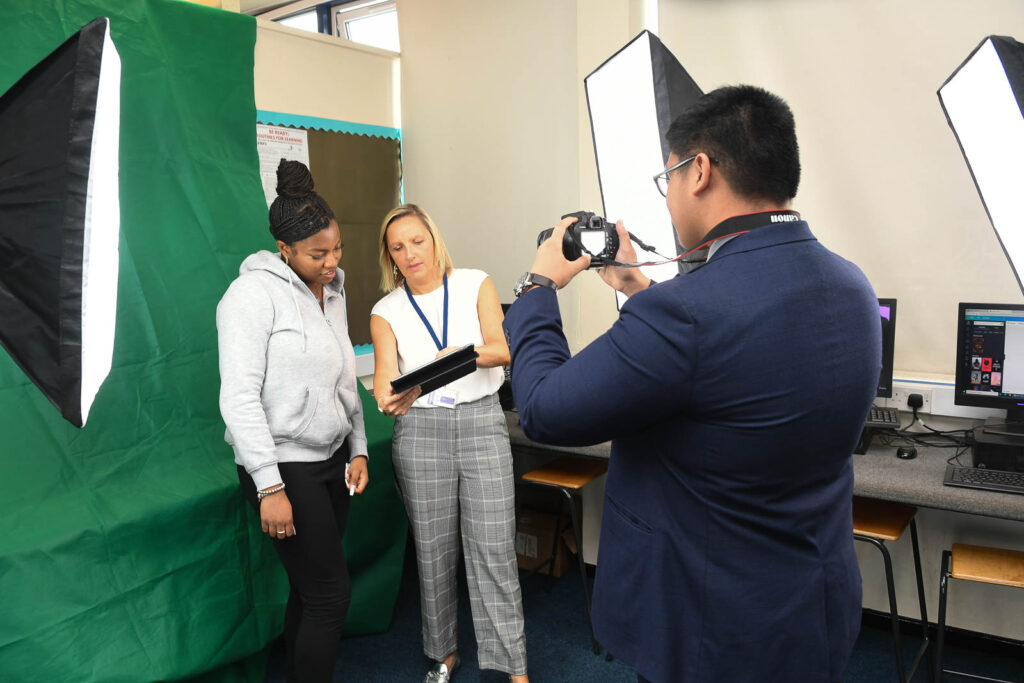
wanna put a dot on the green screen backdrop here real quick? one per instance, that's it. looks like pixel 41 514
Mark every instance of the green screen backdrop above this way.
pixel 126 550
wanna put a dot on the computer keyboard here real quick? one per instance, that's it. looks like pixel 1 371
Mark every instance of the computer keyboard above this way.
pixel 985 479
pixel 883 418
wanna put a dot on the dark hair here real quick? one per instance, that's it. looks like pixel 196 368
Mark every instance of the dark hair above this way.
pixel 751 135
pixel 298 211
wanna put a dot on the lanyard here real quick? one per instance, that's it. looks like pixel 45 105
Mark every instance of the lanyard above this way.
pixel 738 225
pixel 732 227
pixel 441 345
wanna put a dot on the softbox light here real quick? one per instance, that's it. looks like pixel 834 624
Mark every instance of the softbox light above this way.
pixel 983 101
pixel 60 219
pixel 633 97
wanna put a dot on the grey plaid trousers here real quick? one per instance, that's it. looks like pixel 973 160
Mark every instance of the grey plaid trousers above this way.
pixel 454 466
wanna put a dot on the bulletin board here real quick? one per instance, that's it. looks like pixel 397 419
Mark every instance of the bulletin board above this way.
pixel 358 170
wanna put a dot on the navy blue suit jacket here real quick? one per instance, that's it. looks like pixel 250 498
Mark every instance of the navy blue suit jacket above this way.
pixel 733 397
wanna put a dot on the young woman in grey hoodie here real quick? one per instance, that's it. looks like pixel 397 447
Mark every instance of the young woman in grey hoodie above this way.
pixel 293 414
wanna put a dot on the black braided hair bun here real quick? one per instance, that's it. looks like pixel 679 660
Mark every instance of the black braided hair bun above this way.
pixel 298 212
pixel 293 180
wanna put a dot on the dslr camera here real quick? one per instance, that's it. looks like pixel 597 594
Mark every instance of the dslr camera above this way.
pixel 590 234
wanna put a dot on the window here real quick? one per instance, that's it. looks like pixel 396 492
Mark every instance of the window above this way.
pixel 370 23
pixel 303 20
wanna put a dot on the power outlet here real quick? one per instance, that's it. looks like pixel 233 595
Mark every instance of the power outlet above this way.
pixel 900 394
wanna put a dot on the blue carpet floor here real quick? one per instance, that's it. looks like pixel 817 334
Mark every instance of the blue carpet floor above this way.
pixel 558 645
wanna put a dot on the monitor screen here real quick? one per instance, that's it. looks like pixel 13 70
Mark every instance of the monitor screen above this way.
pixel 887 312
pixel 990 356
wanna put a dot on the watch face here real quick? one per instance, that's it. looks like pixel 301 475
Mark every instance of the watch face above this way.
pixel 522 284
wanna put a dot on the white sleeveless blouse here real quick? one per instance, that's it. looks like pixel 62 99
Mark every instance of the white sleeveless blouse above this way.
pixel 416 346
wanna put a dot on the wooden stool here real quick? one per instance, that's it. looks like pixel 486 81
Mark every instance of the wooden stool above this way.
pixel 975 563
pixel 569 475
pixel 878 521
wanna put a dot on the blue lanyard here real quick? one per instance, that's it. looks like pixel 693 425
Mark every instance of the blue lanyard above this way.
pixel 441 345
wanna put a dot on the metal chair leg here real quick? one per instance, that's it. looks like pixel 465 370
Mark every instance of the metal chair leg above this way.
pixel 925 640
pixel 893 612
pixel 583 567
pixel 554 551
pixel 944 575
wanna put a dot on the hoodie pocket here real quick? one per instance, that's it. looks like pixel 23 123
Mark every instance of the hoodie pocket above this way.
pixel 322 422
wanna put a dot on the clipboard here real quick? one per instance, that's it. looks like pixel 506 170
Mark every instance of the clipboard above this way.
pixel 438 372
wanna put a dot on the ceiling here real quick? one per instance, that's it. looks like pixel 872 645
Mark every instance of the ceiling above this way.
pixel 258 6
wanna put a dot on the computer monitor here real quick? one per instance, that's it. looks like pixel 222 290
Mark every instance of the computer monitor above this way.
pixel 887 313
pixel 990 362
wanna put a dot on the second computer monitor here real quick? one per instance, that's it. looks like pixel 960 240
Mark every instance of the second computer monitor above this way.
pixel 887 313
pixel 990 358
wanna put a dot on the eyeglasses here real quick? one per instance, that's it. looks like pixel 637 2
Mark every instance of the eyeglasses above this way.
pixel 661 179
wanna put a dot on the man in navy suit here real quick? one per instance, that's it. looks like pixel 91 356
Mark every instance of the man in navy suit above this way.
pixel 733 397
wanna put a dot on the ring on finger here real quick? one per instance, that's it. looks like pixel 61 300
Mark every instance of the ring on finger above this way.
pixel 281 532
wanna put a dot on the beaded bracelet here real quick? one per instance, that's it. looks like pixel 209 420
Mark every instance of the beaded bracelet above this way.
pixel 260 495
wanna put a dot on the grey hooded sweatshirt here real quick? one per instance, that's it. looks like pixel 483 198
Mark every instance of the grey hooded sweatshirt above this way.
pixel 287 370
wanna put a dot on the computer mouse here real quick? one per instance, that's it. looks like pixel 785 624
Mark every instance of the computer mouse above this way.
pixel 906 452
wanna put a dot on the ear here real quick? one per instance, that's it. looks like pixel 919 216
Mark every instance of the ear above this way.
pixel 702 169
pixel 284 249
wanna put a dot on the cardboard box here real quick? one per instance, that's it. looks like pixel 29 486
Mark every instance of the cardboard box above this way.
pixel 534 535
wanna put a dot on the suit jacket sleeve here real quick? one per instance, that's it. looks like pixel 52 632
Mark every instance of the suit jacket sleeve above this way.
pixel 636 374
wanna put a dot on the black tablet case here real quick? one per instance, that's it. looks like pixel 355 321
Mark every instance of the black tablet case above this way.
pixel 438 372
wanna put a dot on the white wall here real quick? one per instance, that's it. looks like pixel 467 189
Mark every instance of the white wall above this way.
pixel 297 72
pixel 884 183
pixel 490 125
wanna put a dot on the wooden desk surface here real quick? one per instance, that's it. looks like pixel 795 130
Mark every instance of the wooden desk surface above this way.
pixel 877 474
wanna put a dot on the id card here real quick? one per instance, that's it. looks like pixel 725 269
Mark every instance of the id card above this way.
pixel 443 398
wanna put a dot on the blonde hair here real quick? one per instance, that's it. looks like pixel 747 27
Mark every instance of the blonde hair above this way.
pixel 390 277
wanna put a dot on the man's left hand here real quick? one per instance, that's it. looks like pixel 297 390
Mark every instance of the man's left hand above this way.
pixel 550 261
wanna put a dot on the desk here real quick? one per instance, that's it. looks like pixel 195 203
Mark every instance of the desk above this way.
pixel 880 474
pixel 876 474
pixel 521 443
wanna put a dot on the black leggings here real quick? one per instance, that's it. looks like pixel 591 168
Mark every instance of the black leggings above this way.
pixel 313 558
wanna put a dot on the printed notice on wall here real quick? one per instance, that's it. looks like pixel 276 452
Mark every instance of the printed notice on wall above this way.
pixel 274 143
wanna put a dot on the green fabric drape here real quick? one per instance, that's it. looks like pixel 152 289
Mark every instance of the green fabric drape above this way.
pixel 126 550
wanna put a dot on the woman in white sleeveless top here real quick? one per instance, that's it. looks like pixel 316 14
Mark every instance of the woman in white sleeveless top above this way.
pixel 450 449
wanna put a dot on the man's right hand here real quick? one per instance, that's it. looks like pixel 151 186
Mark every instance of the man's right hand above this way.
pixel 629 281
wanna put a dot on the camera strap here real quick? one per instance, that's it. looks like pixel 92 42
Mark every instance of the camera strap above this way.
pixel 443 343
pixel 696 257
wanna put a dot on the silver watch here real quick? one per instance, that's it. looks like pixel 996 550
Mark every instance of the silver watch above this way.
pixel 529 280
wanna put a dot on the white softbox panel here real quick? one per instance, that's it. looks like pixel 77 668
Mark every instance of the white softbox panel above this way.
pixel 633 98
pixel 983 104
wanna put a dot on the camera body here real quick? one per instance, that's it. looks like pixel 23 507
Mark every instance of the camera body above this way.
pixel 590 231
